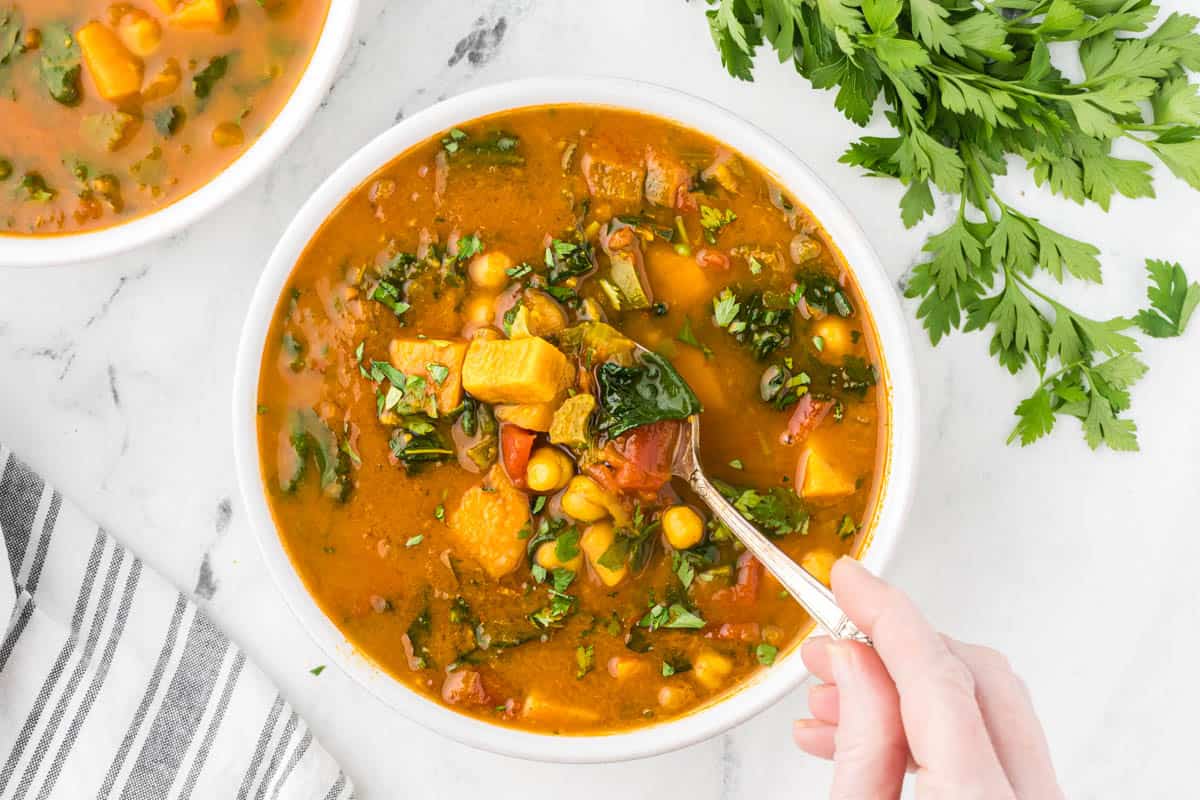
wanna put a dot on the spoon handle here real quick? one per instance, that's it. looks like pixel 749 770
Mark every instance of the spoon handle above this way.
pixel 808 591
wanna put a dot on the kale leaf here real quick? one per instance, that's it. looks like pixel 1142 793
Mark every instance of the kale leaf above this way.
pixel 648 392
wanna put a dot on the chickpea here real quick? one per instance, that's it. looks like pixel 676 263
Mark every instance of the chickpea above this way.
pixel 548 470
pixel 490 270
pixel 582 500
pixel 675 696
pixel 228 134
pixel 835 337
pixel 624 667
pixel 480 310
pixel 594 543
pixel 710 669
pixel 140 32
pixel 819 563
pixel 547 558
pixel 683 527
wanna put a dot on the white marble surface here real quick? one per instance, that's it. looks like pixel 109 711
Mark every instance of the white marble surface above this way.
pixel 1081 566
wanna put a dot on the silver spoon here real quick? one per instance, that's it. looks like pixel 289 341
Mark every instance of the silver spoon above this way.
pixel 807 590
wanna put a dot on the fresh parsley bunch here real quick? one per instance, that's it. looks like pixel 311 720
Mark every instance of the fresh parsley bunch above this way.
pixel 968 83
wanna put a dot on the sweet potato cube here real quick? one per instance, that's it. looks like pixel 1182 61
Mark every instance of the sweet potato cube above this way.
pixel 116 71
pixel 677 280
pixel 529 370
pixel 427 357
pixel 823 480
pixel 487 523
pixel 200 14
pixel 701 376
pixel 540 707
pixel 530 416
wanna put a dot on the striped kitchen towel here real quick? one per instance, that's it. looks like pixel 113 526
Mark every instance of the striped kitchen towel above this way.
pixel 114 685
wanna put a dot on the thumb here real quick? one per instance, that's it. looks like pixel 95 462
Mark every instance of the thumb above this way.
pixel 870 751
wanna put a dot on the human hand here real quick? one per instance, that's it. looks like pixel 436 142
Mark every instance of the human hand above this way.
pixel 954 713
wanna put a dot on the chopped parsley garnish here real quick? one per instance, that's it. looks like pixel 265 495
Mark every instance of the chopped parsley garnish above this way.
pixel 317 670
pixel 778 512
pixel 737 464
pixel 60 65
pixel 35 188
pixel 561 604
pixel 824 294
pixel 566 546
pixel 765 653
pixel 725 309
pixel 713 220
pixel 497 149
pixel 413 541
pixel 469 246
pixel 674 664
pixel 439 512
pixel 688 337
pixel 439 372
pixel 452 140
pixel 565 260
pixel 390 295
pixel 675 616
pixel 519 271
pixel 204 80
pixel 761 320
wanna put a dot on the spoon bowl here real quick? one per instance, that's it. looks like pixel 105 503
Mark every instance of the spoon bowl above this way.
pixel 809 592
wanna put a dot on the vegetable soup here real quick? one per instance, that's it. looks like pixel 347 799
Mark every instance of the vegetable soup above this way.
pixel 109 111
pixel 468 460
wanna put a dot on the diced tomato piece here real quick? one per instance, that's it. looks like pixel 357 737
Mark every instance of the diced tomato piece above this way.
pixel 516 444
pixel 737 632
pixel 745 591
pixel 809 413
pixel 712 260
pixel 465 687
pixel 686 199
pixel 645 456
pixel 604 474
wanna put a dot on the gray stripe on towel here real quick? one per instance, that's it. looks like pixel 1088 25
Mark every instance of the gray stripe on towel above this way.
pixel 60 663
pixel 183 706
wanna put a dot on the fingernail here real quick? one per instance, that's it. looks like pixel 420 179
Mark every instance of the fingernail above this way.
pixel 807 723
pixel 850 562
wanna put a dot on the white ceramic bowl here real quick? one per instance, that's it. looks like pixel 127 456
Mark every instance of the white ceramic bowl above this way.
pixel 37 251
pixel 768 685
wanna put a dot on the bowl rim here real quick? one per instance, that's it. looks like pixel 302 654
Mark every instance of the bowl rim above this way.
pixel 315 81
pixel 768 686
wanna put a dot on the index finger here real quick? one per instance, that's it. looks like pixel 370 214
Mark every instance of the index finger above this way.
pixel 941 716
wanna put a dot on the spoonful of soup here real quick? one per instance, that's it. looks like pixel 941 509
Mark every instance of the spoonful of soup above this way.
pixel 649 391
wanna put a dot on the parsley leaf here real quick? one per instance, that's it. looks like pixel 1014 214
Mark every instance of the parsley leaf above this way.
pixel 60 64
pixel 206 79
pixel 1172 300
pixel 712 220
pixel 969 89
